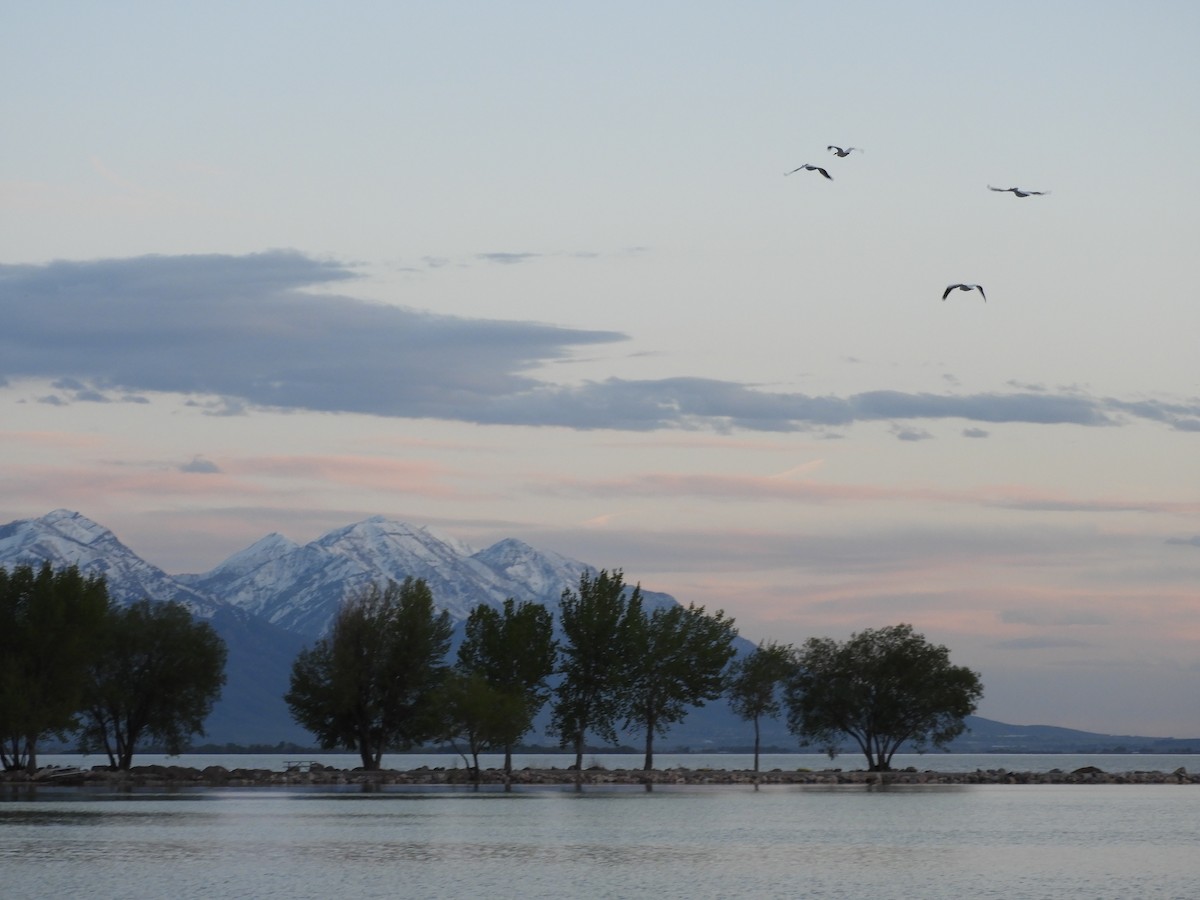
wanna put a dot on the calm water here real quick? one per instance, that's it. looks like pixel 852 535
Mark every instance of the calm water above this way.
pixel 1012 842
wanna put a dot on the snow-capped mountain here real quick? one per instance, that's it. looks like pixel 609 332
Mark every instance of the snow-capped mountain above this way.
pixel 542 573
pixel 251 708
pixel 245 561
pixel 64 538
pixel 276 596
pixel 276 580
pixel 300 588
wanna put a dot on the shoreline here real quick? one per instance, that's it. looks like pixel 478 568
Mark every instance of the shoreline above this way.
pixel 317 775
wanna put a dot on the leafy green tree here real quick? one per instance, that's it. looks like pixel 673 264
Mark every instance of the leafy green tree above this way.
pixel 480 715
pixel 675 659
pixel 513 649
pixel 157 676
pixel 371 685
pixel 48 622
pixel 756 683
pixel 596 621
pixel 883 688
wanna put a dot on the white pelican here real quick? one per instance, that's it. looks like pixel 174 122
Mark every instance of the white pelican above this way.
pixel 965 287
pixel 811 168
pixel 840 151
pixel 1018 191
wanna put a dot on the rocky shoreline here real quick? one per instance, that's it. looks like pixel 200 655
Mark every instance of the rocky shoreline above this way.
pixel 316 775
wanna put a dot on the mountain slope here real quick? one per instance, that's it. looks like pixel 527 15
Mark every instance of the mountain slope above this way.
pixel 300 588
pixel 273 598
pixel 251 707
pixel 64 538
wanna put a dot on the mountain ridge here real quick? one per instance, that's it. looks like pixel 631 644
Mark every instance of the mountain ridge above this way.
pixel 276 596
pixel 64 537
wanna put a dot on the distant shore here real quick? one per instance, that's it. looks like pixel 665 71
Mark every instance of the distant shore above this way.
pixel 317 775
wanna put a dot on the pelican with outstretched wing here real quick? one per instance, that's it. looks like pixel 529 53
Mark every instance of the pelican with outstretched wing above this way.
pixel 1018 192
pixel 965 287
pixel 809 167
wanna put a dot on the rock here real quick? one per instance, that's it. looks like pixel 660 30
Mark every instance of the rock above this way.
pixel 153 776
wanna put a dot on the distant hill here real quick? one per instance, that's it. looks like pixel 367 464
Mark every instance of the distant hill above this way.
pixel 988 736
pixel 275 597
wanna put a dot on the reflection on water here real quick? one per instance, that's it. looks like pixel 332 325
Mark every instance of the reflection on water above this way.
pixel 1012 842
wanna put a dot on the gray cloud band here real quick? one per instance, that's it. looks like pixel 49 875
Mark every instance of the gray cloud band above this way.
pixel 245 330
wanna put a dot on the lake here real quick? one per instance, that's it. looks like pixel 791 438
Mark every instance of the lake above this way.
pixel 1012 842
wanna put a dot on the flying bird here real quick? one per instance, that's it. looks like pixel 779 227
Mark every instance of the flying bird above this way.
pixel 1018 191
pixel 965 287
pixel 840 151
pixel 811 168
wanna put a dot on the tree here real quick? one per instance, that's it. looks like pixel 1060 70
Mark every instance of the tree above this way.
pixel 513 650
pixel 48 621
pixel 371 684
pixel 157 676
pixel 883 688
pixel 756 682
pixel 482 715
pixel 595 624
pixel 676 659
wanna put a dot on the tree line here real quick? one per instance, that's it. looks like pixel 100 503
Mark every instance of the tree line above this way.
pixel 380 679
pixel 74 663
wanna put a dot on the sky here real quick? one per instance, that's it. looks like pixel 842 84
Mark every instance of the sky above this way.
pixel 534 270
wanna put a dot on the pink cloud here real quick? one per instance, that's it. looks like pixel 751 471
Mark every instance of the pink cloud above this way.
pixel 779 487
pixel 404 476
pixel 770 487
pixel 81 487
pixel 721 443
pixel 55 439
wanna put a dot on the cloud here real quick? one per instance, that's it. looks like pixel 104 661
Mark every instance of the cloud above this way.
pixel 507 259
pixel 44 440
pixel 1063 617
pixel 241 329
pixel 117 484
pixel 1039 643
pixel 1182 417
pixel 1034 502
pixel 975 433
pixel 239 333
pixel 502 258
pixel 272 481
pixel 200 466
pixel 377 474
pixel 903 433
pixel 780 488
pixel 1185 542
pixel 71 390
pixel 739 487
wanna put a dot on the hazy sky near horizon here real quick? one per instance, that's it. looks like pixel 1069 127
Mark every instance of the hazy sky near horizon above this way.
pixel 533 270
